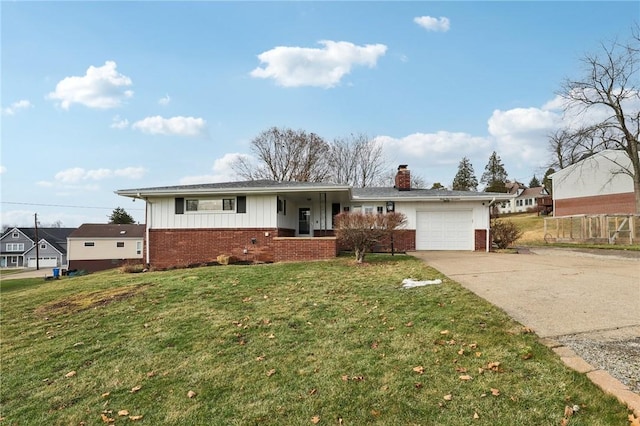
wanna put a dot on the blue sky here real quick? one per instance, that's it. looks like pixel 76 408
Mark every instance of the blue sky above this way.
pixel 101 96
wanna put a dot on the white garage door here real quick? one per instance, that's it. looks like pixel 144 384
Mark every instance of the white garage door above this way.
pixel 45 262
pixel 444 230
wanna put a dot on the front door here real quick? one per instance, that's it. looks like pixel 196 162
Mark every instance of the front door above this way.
pixel 304 220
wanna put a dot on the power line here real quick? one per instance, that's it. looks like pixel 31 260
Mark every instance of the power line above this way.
pixel 62 205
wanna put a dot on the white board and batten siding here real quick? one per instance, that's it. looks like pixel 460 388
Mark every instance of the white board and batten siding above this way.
pixel 445 226
pixel 261 213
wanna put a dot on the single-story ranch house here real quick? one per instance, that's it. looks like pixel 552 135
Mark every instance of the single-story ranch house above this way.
pixel 269 221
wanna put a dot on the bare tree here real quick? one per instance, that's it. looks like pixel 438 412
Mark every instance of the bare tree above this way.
pixel 569 146
pixel 356 160
pixel 286 155
pixel 611 85
pixel 363 230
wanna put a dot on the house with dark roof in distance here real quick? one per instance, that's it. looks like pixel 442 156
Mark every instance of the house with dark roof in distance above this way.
pixel 270 221
pixel 526 199
pixel 96 246
pixel 31 247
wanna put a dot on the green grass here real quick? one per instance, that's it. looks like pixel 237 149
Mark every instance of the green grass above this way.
pixel 279 344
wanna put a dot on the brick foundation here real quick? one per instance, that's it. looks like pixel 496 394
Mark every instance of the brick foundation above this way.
pixel 480 240
pixel 599 204
pixel 184 247
pixel 100 265
pixel 304 249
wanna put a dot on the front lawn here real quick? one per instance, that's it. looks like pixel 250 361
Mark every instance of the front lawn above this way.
pixel 284 344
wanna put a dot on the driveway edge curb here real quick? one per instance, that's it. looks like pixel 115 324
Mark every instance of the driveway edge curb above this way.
pixel 600 378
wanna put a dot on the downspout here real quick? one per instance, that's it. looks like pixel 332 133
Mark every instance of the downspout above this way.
pixel 147 219
pixel 487 247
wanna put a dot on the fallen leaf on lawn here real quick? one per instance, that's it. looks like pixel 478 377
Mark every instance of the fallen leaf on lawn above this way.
pixel 345 378
pixel 246 299
pixel 568 411
pixel 374 345
pixel 418 385
pixel 409 324
pixel 315 420
pixel 461 352
pixel 466 377
pixel 70 374
pixel 476 416
pixel 271 336
pixel 136 389
pixel 564 421
pixel 260 358
pixel 340 420
pixel 527 330
pixel 313 391
pixel 461 369
pixel 134 418
pixel 151 374
pixel 78 344
pixel 495 392
pixel 473 345
pixel 123 412
pixel 357 378
pixel 448 397
pixel 419 369
pixel 444 332
pixel 493 366
pixel 191 394
pixel 480 370
pixel 106 394
pixel 271 372
pixel 375 413
pixel 633 420
pixel 478 354
pixel 107 419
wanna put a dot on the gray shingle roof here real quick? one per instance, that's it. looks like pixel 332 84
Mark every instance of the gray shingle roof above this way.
pixel 108 230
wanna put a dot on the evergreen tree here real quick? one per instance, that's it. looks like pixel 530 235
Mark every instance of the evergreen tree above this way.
pixel 534 183
pixel 495 175
pixel 465 179
pixel 120 216
pixel 437 185
pixel 546 180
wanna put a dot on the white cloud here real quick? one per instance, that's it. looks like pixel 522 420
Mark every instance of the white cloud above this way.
pixel 17 106
pixel 434 148
pixel 324 67
pixel 101 87
pixel 222 171
pixel 164 100
pixel 183 126
pixel 433 24
pixel 119 123
pixel 79 174
pixel 3 170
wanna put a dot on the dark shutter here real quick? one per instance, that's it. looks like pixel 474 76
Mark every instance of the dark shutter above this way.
pixel 179 205
pixel 241 204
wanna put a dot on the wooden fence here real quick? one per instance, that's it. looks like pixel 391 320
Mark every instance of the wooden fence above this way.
pixel 599 229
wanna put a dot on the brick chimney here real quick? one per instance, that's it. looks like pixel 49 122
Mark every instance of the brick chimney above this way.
pixel 403 178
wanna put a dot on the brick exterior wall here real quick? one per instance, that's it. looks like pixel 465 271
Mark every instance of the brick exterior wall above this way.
pixel 480 240
pixel 404 240
pixel 184 247
pixel 599 204
pixel 304 249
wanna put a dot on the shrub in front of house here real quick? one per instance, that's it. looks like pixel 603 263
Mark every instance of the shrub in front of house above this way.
pixel 504 233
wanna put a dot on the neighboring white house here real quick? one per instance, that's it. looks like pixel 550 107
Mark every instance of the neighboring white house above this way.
pixel 94 247
pixel 276 221
pixel 526 199
pixel 594 185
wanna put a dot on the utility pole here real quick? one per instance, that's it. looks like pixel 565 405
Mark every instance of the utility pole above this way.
pixel 37 244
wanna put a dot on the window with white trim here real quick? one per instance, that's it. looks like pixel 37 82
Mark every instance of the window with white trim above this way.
pixel 211 205
pixel 14 247
pixel 138 247
pixel 43 246
pixel 15 235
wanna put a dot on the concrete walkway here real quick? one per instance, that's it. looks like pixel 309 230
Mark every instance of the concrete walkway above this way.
pixel 558 292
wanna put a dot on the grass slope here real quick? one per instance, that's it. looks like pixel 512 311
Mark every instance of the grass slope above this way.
pixel 295 344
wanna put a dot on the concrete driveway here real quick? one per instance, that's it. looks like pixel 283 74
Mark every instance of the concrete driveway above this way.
pixel 553 291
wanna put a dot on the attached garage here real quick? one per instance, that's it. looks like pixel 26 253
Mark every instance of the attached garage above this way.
pixel 45 262
pixel 444 230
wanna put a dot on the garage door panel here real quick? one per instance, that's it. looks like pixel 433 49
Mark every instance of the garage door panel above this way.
pixel 444 230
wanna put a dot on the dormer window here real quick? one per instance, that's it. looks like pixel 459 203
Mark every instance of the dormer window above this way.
pixel 15 235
